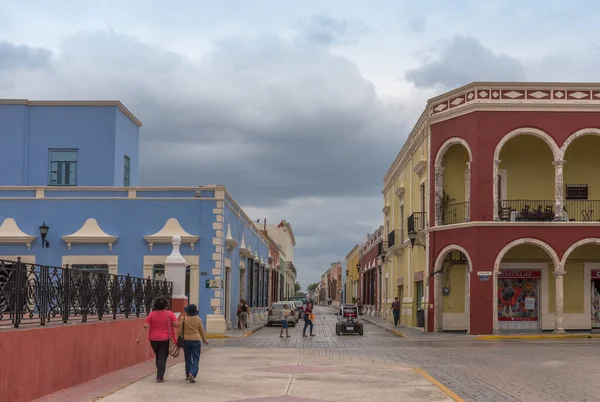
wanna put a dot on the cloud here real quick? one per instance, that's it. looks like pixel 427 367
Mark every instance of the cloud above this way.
pixel 294 131
pixel 462 60
pixel 326 30
pixel 270 119
pixel 30 58
pixel 417 25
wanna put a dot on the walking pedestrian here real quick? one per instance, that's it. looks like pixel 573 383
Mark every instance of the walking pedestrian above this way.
pixel 284 322
pixel 396 311
pixel 359 303
pixel 161 323
pixel 244 310
pixel 308 320
pixel 193 332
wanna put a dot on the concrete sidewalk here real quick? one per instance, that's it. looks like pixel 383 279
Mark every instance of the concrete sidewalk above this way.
pixel 240 333
pixel 228 374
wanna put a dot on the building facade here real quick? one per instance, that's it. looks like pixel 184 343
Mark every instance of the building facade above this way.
pixel 283 235
pixel 74 171
pixel 352 275
pixel 496 189
pixel 371 272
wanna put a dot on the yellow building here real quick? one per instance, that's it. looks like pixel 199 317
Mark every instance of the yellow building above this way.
pixel 352 276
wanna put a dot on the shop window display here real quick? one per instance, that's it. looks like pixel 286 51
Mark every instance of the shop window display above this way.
pixel 518 296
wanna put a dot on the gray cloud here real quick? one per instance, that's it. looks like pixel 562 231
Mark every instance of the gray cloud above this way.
pixel 14 56
pixel 270 119
pixel 462 60
pixel 417 25
pixel 326 30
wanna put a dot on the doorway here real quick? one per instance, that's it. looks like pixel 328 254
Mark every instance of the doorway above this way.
pixel 595 302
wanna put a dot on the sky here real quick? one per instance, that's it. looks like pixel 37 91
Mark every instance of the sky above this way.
pixel 297 107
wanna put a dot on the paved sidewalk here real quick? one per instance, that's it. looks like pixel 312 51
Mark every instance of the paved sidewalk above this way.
pixel 240 333
pixel 239 374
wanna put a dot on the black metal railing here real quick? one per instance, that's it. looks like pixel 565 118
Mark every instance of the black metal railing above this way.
pixel 417 222
pixel 582 210
pixel 455 213
pixel 396 237
pixel 31 293
pixel 527 210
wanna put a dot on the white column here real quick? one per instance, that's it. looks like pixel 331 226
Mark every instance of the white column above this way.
pixel 558 188
pixel 496 190
pixel 439 193
pixel 439 304
pixel 559 315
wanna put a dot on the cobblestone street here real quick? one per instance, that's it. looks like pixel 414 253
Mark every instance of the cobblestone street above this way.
pixel 475 370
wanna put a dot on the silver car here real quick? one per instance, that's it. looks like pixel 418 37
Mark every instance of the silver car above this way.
pixel 275 314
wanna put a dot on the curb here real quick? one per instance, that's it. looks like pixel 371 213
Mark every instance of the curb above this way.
pixel 246 334
pixel 438 384
pixel 392 330
pixel 537 337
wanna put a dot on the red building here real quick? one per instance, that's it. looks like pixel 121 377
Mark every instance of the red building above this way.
pixel 529 227
pixel 370 272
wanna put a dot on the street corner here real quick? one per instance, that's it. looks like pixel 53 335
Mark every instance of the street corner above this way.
pixel 438 384
pixel 536 337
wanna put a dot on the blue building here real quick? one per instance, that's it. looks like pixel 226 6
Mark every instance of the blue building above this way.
pixel 73 166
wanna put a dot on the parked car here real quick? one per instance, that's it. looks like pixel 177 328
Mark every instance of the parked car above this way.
pixel 275 314
pixel 301 302
pixel 348 321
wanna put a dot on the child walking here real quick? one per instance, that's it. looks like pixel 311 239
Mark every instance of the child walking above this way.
pixel 284 322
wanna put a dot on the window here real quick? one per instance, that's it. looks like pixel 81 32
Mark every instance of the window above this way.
pixel 422 195
pixel 126 170
pixel 63 167
pixel 98 268
pixel 419 295
pixel 158 272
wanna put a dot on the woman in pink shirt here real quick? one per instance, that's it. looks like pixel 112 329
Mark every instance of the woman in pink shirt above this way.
pixel 160 321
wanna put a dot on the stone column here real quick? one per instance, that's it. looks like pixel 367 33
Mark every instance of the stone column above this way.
pixel 559 315
pixel 175 272
pixel 468 193
pixel 379 299
pixel 495 302
pixel 439 193
pixel 439 304
pixel 558 189
pixel 496 190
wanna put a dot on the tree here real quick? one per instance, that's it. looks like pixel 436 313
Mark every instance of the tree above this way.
pixel 312 287
pixel 297 287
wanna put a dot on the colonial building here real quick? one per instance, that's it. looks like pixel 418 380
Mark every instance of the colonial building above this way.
pixel 492 210
pixel 283 235
pixel 370 271
pixel 69 196
pixel 352 274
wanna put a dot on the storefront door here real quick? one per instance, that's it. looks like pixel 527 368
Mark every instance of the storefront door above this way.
pixel 519 300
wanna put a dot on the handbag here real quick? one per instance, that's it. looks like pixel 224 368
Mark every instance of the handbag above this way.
pixel 181 338
pixel 173 348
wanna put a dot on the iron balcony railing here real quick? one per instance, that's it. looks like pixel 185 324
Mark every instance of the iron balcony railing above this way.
pixel 582 210
pixel 396 237
pixel 455 213
pixel 417 222
pixel 527 210
pixel 31 293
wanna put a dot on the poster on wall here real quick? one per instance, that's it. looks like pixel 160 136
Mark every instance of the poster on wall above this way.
pixel 595 298
pixel 518 295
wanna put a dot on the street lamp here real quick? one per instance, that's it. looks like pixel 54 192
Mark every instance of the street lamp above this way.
pixel 358 267
pixel 412 235
pixel 43 233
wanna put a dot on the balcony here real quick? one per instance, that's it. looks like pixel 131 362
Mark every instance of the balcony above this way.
pixel 417 222
pixel 455 213
pixel 582 210
pixel 527 211
pixel 395 241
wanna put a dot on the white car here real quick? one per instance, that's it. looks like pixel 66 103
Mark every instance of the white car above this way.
pixel 275 313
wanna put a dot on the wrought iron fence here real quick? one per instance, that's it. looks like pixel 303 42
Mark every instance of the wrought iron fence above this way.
pixel 582 210
pixel 455 213
pixel 31 293
pixel 396 237
pixel 417 222
pixel 527 210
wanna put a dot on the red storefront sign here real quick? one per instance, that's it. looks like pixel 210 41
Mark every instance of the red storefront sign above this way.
pixel 522 274
pixel 595 274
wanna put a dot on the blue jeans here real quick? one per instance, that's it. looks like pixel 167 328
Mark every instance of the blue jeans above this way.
pixel 396 317
pixel 306 324
pixel 191 351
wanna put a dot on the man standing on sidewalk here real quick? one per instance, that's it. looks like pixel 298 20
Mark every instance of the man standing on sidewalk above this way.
pixel 396 311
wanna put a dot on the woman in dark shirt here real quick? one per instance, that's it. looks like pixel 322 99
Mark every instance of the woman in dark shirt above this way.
pixel 308 315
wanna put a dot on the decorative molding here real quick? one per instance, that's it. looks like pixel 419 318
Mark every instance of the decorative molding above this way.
pixel 230 242
pixel 10 233
pixel 400 192
pixel 165 235
pixel 386 209
pixel 90 233
pixel 420 168
pixel 245 252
